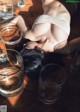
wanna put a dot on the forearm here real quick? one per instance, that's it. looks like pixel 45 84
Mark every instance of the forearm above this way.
pixel 74 44
pixel 71 46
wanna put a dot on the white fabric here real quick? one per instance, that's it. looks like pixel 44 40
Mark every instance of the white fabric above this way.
pixel 58 21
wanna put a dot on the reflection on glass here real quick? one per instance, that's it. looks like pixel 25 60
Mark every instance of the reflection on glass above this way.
pixel 11 35
pixel 21 3
pixel 11 73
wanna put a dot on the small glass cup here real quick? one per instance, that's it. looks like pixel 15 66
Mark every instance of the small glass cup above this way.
pixel 6 9
pixel 11 35
pixel 51 81
pixel 21 3
pixel 11 73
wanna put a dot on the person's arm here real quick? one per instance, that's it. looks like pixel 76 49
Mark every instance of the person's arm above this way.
pixel 71 46
pixel 18 20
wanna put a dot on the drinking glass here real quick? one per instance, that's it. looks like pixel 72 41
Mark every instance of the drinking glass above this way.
pixel 51 81
pixel 6 9
pixel 11 73
pixel 11 34
pixel 21 3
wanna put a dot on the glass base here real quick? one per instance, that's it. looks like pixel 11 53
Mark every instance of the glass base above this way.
pixel 48 102
pixel 12 93
pixel 6 16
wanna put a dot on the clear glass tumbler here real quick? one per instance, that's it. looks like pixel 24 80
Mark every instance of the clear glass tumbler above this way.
pixel 51 81
pixel 11 34
pixel 6 9
pixel 21 3
pixel 11 73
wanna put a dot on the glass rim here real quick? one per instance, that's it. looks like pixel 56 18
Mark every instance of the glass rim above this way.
pixel 54 64
pixel 12 93
pixel 18 69
pixel 10 74
pixel 6 20
pixel 10 27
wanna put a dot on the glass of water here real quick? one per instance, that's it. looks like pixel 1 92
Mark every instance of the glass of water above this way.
pixel 11 73
pixel 6 9
pixel 21 3
pixel 11 34
pixel 51 80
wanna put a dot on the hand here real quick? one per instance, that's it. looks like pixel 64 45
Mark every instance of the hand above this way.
pixel 46 46
pixel 18 20
pixel 31 45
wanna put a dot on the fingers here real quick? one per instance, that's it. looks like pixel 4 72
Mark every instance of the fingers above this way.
pixel 30 35
pixel 31 45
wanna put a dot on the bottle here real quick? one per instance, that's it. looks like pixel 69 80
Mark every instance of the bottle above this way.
pixel 21 3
